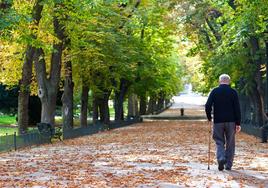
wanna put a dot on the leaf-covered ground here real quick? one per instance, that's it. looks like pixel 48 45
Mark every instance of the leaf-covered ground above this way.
pixel 149 154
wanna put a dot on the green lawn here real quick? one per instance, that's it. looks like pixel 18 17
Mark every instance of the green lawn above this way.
pixel 7 120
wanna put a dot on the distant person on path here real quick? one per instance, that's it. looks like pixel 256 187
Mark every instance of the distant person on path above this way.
pixel 226 117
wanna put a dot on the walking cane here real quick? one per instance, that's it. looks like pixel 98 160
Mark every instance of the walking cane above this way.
pixel 209 140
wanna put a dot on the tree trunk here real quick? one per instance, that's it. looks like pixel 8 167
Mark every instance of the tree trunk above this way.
pixel 132 106
pixel 119 100
pixel 95 108
pixel 104 107
pixel 167 101
pixel 48 86
pixel 261 116
pixel 160 101
pixel 67 97
pixel 143 104
pixel 152 107
pixel 136 105
pixel 84 105
pixel 24 93
pixel 155 109
pixel 266 46
pixel 258 116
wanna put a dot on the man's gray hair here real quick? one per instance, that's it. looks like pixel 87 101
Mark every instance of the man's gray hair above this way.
pixel 224 78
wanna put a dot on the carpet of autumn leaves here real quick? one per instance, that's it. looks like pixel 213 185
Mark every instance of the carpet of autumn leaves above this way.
pixel 148 154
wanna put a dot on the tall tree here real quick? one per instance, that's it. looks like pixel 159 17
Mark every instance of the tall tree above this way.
pixel 48 85
pixel 25 82
pixel 67 97
pixel 230 41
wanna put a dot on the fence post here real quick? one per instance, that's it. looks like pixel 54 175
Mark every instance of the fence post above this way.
pixel 15 141
pixel 182 111
pixel 6 139
pixel 264 134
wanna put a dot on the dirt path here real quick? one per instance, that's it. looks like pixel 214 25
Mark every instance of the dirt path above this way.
pixel 150 154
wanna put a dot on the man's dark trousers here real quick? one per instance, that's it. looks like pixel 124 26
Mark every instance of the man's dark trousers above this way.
pixel 224 136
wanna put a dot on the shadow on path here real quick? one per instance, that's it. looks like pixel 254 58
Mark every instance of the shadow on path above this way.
pixel 248 177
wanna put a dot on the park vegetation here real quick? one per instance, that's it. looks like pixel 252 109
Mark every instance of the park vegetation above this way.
pixel 230 36
pixel 94 51
pixel 103 50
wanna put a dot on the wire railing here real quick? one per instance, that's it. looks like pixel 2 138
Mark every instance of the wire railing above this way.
pixel 35 138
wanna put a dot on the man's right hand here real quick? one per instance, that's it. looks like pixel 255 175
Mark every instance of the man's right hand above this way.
pixel 237 128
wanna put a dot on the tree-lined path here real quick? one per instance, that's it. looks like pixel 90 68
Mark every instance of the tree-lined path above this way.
pixel 189 105
pixel 93 65
pixel 148 154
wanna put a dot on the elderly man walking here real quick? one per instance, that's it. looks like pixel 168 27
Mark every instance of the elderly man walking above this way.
pixel 226 116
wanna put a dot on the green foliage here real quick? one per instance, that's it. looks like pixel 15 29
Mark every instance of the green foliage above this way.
pixel 106 41
pixel 222 35
pixel 107 45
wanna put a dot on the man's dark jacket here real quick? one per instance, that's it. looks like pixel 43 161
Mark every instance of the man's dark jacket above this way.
pixel 225 103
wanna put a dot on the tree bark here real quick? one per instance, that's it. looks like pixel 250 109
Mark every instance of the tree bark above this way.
pixel 104 107
pixel 84 106
pixel 167 101
pixel 119 100
pixel 266 47
pixel 24 91
pixel 143 104
pixel 95 108
pixel 259 93
pixel 132 106
pixel 136 105
pixel 67 97
pixel 160 103
pixel 25 82
pixel 48 86
pixel 152 107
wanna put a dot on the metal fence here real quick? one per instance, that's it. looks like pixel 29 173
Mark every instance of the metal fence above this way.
pixel 251 129
pixel 14 141
pixel 248 124
pixel 33 138
pixel 95 128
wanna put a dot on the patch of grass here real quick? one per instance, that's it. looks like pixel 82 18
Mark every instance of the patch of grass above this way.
pixel 7 120
pixel 5 125
pixel 8 130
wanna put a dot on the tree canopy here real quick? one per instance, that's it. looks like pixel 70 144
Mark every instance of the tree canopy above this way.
pixel 147 48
